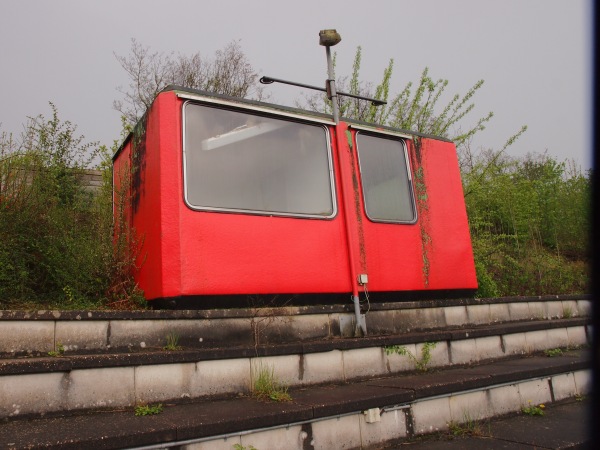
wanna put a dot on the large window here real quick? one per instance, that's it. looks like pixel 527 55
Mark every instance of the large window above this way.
pixel 386 180
pixel 242 162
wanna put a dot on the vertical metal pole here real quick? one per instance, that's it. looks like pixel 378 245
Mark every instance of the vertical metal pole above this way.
pixel 359 327
pixel 331 83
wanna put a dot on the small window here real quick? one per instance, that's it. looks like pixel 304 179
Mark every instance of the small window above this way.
pixel 242 162
pixel 386 180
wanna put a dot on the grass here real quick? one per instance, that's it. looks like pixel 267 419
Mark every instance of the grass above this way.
pixel 420 363
pixel 148 410
pixel 267 387
pixel 567 312
pixel 172 342
pixel 469 427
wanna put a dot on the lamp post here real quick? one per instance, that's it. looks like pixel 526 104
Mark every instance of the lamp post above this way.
pixel 329 38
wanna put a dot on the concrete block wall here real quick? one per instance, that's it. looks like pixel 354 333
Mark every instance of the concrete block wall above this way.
pixel 90 331
pixel 126 386
pixel 421 417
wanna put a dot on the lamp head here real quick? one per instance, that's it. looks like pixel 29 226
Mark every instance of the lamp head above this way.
pixel 329 38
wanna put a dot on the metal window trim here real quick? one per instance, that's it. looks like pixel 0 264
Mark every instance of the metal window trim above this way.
pixel 269 111
pixel 411 190
pixel 375 130
pixel 273 115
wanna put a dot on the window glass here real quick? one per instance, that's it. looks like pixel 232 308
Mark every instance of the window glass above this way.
pixel 239 161
pixel 386 182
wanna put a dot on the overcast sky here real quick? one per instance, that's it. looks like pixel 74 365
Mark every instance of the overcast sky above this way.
pixel 534 55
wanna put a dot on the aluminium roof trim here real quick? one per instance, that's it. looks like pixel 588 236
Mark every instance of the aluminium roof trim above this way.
pixel 246 106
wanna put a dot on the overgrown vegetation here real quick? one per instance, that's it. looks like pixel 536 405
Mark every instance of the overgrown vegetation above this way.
pixel 228 72
pixel 172 342
pixel 552 352
pixel 148 410
pixel 266 386
pixel 59 351
pixel 533 410
pixel 468 427
pixel 421 362
pixel 530 223
pixel 56 236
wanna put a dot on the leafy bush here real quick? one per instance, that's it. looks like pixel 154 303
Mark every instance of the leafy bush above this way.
pixel 56 245
pixel 529 222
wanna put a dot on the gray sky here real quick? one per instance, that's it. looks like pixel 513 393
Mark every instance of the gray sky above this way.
pixel 534 55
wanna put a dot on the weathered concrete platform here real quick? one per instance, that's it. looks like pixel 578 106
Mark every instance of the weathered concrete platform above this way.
pixel 563 426
pixel 330 416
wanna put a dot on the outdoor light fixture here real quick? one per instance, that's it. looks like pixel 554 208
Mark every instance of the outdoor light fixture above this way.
pixel 329 38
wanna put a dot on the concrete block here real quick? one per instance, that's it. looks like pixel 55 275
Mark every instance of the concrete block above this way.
pixel 321 367
pixel 346 324
pixel 583 381
pixel 499 312
pixel 401 363
pixel 456 315
pixel 33 393
pixel 26 336
pixel 392 425
pixel 139 333
pixel 535 392
pixel 338 433
pixel 469 406
pixel 538 310
pixel 557 337
pixel 88 335
pixel 438 355
pixel 193 333
pixel 577 336
pixel 515 344
pixel 286 368
pixel 478 314
pixel 225 376
pixel 163 382
pixel 420 319
pixel 519 311
pixel 489 347
pixel 554 309
pixel 537 340
pixel 563 386
pixel 569 309
pixel 584 307
pixel 283 329
pixel 381 322
pixel 431 415
pixel 504 399
pixel 430 318
pixel 278 438
pixel 104 387
pixel 463 351
pixel 364 362
pixel 407 320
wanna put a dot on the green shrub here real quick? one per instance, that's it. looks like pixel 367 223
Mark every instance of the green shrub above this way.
pixel 56 244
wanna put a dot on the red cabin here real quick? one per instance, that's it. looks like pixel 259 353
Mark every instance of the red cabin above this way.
pixel 234 198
